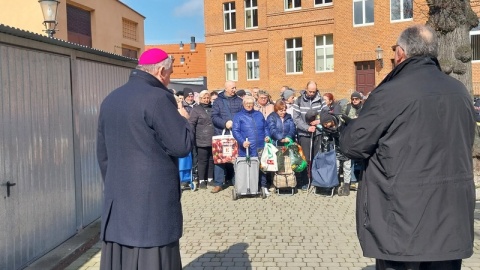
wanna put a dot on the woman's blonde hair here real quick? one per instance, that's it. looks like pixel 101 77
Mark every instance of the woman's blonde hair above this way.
pixel 203 93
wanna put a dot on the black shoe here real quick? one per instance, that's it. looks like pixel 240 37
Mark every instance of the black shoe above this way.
pixel 202 185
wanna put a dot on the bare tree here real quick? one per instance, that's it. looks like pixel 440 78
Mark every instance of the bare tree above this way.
pixel 453 20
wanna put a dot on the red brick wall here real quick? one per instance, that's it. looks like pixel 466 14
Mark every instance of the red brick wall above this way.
pixel 351 44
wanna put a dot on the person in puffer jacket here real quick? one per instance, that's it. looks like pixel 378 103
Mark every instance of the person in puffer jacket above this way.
pixel 280 124
pixel 249 123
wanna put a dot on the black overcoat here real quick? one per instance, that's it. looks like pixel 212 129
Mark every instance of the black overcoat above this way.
pixel 140 137
pixel 417 197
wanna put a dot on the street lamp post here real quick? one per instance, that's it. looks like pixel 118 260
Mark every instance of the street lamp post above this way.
pixel 49 10
pixel 379 52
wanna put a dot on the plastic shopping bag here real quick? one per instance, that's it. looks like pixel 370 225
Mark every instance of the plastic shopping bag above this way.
pixel 297 158
pixel 268 160
pixel 224 148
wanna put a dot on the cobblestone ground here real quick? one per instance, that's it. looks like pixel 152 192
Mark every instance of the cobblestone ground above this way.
pixel 281 232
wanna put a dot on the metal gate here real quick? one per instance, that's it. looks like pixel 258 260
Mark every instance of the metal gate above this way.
pixel 37 210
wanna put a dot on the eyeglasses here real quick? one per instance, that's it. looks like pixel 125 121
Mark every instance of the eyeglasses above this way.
pixel 394 47
pixel 355 98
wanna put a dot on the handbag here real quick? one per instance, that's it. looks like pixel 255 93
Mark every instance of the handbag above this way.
pixel 224 148
pixel 268 160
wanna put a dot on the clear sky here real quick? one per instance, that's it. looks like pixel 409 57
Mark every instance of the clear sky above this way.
pixel 170 21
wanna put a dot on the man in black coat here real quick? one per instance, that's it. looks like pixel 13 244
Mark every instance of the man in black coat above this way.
pixel 415 131
pixel 141 135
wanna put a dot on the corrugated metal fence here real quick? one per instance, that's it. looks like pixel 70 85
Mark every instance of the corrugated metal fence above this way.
pixel 50 185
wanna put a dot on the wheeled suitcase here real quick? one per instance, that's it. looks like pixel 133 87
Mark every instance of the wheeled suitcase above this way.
pixel 246 177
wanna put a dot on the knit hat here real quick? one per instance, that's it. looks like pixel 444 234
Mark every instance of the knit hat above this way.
pixel 326 117
pixel 187 91
pixel 152 56
pixel 356 95
pixel 287 94
pixel 241 93
pixel 310 116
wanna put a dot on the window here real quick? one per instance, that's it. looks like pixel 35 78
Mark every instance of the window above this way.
pixel 294 55
pixel 251 14
pixel 324 53
pixel 231 67
pixel 401 10
pixel 323 2
pixel 79 26
pixel 293 4
pixel 362 12
pixel 129 29
pixel 229 16
pixel 253 66
pixel 128 52
pixel 475 43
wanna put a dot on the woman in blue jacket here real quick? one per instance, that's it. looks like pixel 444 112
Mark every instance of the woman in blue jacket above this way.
pixel 249 123
pixel 280 124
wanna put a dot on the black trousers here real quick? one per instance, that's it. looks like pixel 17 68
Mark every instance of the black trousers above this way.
pixel 439 265
pixel 205 163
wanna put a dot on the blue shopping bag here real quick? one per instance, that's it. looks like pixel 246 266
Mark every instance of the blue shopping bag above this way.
pixel 185 168
pixel 324 170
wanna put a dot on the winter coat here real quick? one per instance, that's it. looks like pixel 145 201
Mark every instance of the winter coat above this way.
pixel 281 129
pixel 201 121
pixel 189 107
pixel 224 109
pixel 251 125
pixel 265 110
pixel 140 137
pixel 417 197
pixel 300 108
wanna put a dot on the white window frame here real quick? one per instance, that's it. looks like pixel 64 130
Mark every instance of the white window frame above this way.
pixel 322 4
pixel 252 10
pixel 474 33
pixel 255 62
pixel 229 12
pixel 285 2
pixel 363 13
pixel 324 47
pixel 294 50
pixel 402 12
pixel 234 64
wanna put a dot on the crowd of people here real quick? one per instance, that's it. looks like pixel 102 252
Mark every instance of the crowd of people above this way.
pixel 252 114
pixel 413 137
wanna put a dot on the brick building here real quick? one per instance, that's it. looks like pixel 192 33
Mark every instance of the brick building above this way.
pixel 290 42
pixel 190 60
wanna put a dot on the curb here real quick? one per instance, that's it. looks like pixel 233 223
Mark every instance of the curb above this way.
pixel 70 250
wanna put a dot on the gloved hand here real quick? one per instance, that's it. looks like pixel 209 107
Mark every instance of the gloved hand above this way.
pixel 346 119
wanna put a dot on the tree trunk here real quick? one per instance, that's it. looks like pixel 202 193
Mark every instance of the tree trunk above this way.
pixel 453 20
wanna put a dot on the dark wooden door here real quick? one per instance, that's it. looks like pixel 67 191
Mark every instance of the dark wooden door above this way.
pixel 365 76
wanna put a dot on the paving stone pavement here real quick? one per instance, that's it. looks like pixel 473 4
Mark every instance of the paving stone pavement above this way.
pixel 280 232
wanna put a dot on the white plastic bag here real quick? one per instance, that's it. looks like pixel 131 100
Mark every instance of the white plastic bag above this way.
pixel 268 160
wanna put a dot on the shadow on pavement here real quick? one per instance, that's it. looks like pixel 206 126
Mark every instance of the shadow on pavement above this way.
pixel 234 256
pixel 369 267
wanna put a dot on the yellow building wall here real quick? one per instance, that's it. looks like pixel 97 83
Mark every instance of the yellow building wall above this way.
pixel 106 21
